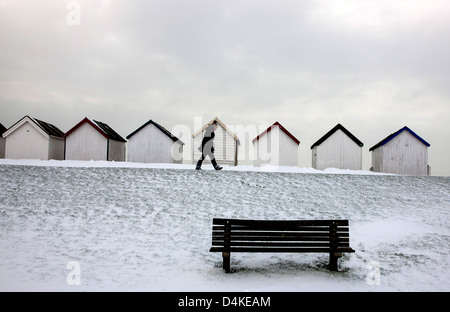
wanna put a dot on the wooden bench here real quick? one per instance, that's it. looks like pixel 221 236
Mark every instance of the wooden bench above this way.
pixel 323 236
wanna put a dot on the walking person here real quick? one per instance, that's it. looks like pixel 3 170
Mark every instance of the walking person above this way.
pixel 207 147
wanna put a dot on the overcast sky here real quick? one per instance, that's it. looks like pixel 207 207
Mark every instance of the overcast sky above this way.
pixel 373 66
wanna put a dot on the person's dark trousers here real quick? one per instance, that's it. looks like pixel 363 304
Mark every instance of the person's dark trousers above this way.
pixel 211 156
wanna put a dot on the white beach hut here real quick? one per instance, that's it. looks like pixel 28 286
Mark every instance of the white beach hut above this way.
pixel 152 143
pixel 94 140
pixel 31 138
pixel 276 146
pixel 402 152
pixel 226 145
pixel 338 148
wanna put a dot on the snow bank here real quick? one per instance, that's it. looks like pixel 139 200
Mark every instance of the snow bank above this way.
pixel 122 164
pixel 149 229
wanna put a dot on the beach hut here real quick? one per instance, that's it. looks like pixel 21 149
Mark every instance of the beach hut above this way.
pixel 402 152
pixel 276 146
pixel 226 145
pixel 2 141
pixel 94 140
pixel 152 143
pixel 338 148
pixel 31 138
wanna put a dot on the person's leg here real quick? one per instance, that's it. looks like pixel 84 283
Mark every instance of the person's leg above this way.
pixel 213 161
pixel 199 162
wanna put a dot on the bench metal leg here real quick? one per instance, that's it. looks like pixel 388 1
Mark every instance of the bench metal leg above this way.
pixel 226 261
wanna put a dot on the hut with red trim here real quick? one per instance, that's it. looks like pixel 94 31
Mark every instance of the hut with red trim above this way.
pixel 94 140
pixel 276 146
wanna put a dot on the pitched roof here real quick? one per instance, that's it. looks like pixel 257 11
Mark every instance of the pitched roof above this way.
pixel 276 124
pixel 222 125
pixel 163 130
pixel 336 128
pixel 113 135
pixel 49 128
pixel 45 127
pixel 101 127
pixel 393 135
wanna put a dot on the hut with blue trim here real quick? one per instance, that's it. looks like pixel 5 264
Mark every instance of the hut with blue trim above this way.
pixel 402 152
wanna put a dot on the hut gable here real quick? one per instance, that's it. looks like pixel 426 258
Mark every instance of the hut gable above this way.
pixel 402 152
pixel 338 148
pixel 94 140
pixel 393 135
pixel 159 127
pixel 276 124
pixel 276 146
pixel 31 138
pixel 226 145
pixel 101 127
pixel 221 124
pixel 152 143
pixel 332 131
pixel 44 128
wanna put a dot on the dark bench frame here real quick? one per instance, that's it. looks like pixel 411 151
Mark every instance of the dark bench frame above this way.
pixel 290 236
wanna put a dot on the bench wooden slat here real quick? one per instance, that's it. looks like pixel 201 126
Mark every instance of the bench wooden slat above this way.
pixel 285 237
pixel 281 250
pixel 283 234
pixel 280 244
pixel 219 228
pixel 266 227
pixel 217 221
pixel 281 239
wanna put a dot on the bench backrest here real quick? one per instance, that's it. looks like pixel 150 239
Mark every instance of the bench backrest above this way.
pixel 280 236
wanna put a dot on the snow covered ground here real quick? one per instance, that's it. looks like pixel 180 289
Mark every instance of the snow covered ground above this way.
pixel 147 227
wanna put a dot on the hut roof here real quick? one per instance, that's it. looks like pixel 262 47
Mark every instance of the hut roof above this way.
pixel 275 124
pixel 101 127
pixel 393 135
pixel 157 125
pixel 44 127
pixel 2 129
pixel 49 128
pixel 222 125
pixel 336 128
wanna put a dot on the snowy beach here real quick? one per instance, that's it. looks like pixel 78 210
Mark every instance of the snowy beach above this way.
pixel 147 227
